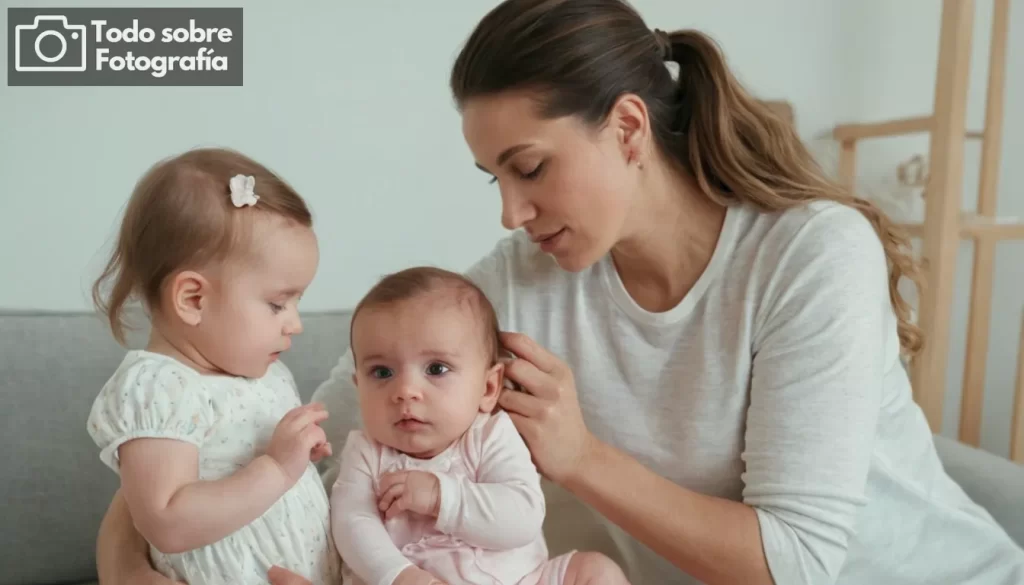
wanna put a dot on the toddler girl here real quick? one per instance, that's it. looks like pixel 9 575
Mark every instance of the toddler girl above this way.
pixel 438 486
pixel 204 425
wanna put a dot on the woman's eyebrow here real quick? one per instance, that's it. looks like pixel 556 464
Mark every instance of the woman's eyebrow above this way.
pixel 510 151
pixel 506 154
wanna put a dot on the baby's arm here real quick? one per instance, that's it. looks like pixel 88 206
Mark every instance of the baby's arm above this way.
pixel 359 532
pixel 504 508
pixel 176 511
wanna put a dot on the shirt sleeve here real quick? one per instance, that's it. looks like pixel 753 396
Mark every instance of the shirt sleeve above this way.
pixel 493 273
pixel 504 508
pixel 152 399
pixel 359 533
pixel 825 334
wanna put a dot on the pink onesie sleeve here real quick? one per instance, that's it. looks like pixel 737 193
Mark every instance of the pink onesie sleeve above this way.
pixel 358 530
pixel 504 507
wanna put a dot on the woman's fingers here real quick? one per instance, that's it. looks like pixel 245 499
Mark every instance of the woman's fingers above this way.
pixel 522 425
pixel 531 378
pixel 526 348
pixel 521 404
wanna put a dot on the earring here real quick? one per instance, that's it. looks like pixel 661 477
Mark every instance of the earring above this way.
pixel 633 159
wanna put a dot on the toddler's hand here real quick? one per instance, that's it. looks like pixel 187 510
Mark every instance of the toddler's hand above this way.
pixel 320 452
pixel 298 439
pixel 412 491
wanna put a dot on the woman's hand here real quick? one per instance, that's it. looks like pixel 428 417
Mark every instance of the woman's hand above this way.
pixel 547 413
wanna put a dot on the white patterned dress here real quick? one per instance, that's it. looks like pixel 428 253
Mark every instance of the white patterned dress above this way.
pixel 231 421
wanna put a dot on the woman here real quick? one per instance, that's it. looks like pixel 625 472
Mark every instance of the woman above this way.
pixel 710 332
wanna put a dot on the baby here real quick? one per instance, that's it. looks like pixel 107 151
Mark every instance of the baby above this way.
pixel 205 426
pixel 439 486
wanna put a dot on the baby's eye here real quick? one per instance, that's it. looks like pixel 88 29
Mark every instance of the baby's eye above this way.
pixel 437 369
pixel 380 372
pixel 276 308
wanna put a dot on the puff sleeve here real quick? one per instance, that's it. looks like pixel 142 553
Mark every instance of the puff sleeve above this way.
pixel 149 399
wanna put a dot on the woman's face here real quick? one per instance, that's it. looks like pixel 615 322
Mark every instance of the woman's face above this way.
pixel 570 187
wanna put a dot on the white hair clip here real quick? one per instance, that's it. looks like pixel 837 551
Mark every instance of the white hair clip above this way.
pixel 242 190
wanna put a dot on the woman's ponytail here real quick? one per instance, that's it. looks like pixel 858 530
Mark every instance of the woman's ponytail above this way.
pixel 738 148
pixel 580 56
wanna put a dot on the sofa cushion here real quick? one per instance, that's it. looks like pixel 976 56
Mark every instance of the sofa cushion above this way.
pixel 994 482
pixel 55 490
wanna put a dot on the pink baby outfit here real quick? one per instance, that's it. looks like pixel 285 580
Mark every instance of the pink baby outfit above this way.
pixel 488 531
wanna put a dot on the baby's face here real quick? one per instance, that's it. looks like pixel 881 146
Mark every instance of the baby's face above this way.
pixel 423 372
pixel 252 311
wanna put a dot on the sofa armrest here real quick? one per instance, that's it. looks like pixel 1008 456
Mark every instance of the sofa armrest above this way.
pixel 995 483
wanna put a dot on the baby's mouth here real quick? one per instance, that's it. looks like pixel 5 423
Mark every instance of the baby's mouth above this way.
pixel 410 420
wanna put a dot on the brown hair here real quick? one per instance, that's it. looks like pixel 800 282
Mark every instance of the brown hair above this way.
pixel 414 282
pixel 180 216
pixel 580 56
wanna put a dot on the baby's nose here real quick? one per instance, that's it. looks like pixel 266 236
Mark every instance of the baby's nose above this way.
pixel 408 390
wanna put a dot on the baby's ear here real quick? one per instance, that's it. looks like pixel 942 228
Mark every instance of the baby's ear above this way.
pixel 188 292
pixel 495 381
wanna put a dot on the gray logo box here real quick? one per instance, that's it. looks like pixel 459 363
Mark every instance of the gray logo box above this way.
pixel 124 46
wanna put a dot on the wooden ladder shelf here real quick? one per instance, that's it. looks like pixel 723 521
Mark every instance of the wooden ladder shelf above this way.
pixel 945 224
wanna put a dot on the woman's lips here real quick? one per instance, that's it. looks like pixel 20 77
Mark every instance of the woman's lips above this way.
pixel 549 243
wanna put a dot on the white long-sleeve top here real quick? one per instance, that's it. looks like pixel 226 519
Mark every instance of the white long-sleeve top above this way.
pixel 776 382
pixel 488 529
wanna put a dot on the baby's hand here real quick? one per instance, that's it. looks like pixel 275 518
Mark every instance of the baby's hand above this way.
pixel 298 439
pixel 412 491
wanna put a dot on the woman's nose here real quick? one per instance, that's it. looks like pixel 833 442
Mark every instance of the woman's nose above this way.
pixel 516 210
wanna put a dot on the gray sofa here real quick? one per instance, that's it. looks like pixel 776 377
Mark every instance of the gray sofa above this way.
pixel 55 490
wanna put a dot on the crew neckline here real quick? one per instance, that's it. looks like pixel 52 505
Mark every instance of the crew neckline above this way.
pixel 622 298
pixel 145 353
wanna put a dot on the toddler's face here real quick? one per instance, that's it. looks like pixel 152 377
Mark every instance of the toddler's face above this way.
pixel 252 311
pixel 423 372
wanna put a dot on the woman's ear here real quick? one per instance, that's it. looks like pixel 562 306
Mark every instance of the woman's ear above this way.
pixel 629 118
pixel 188 295
pixel 495 382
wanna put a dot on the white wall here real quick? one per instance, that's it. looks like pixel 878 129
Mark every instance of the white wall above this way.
pixel 889 54
pixel 349 101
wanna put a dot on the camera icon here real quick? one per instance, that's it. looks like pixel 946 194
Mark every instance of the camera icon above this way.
pixel 30 55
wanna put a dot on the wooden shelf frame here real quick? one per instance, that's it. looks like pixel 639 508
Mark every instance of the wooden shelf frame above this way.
pixel 945 225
